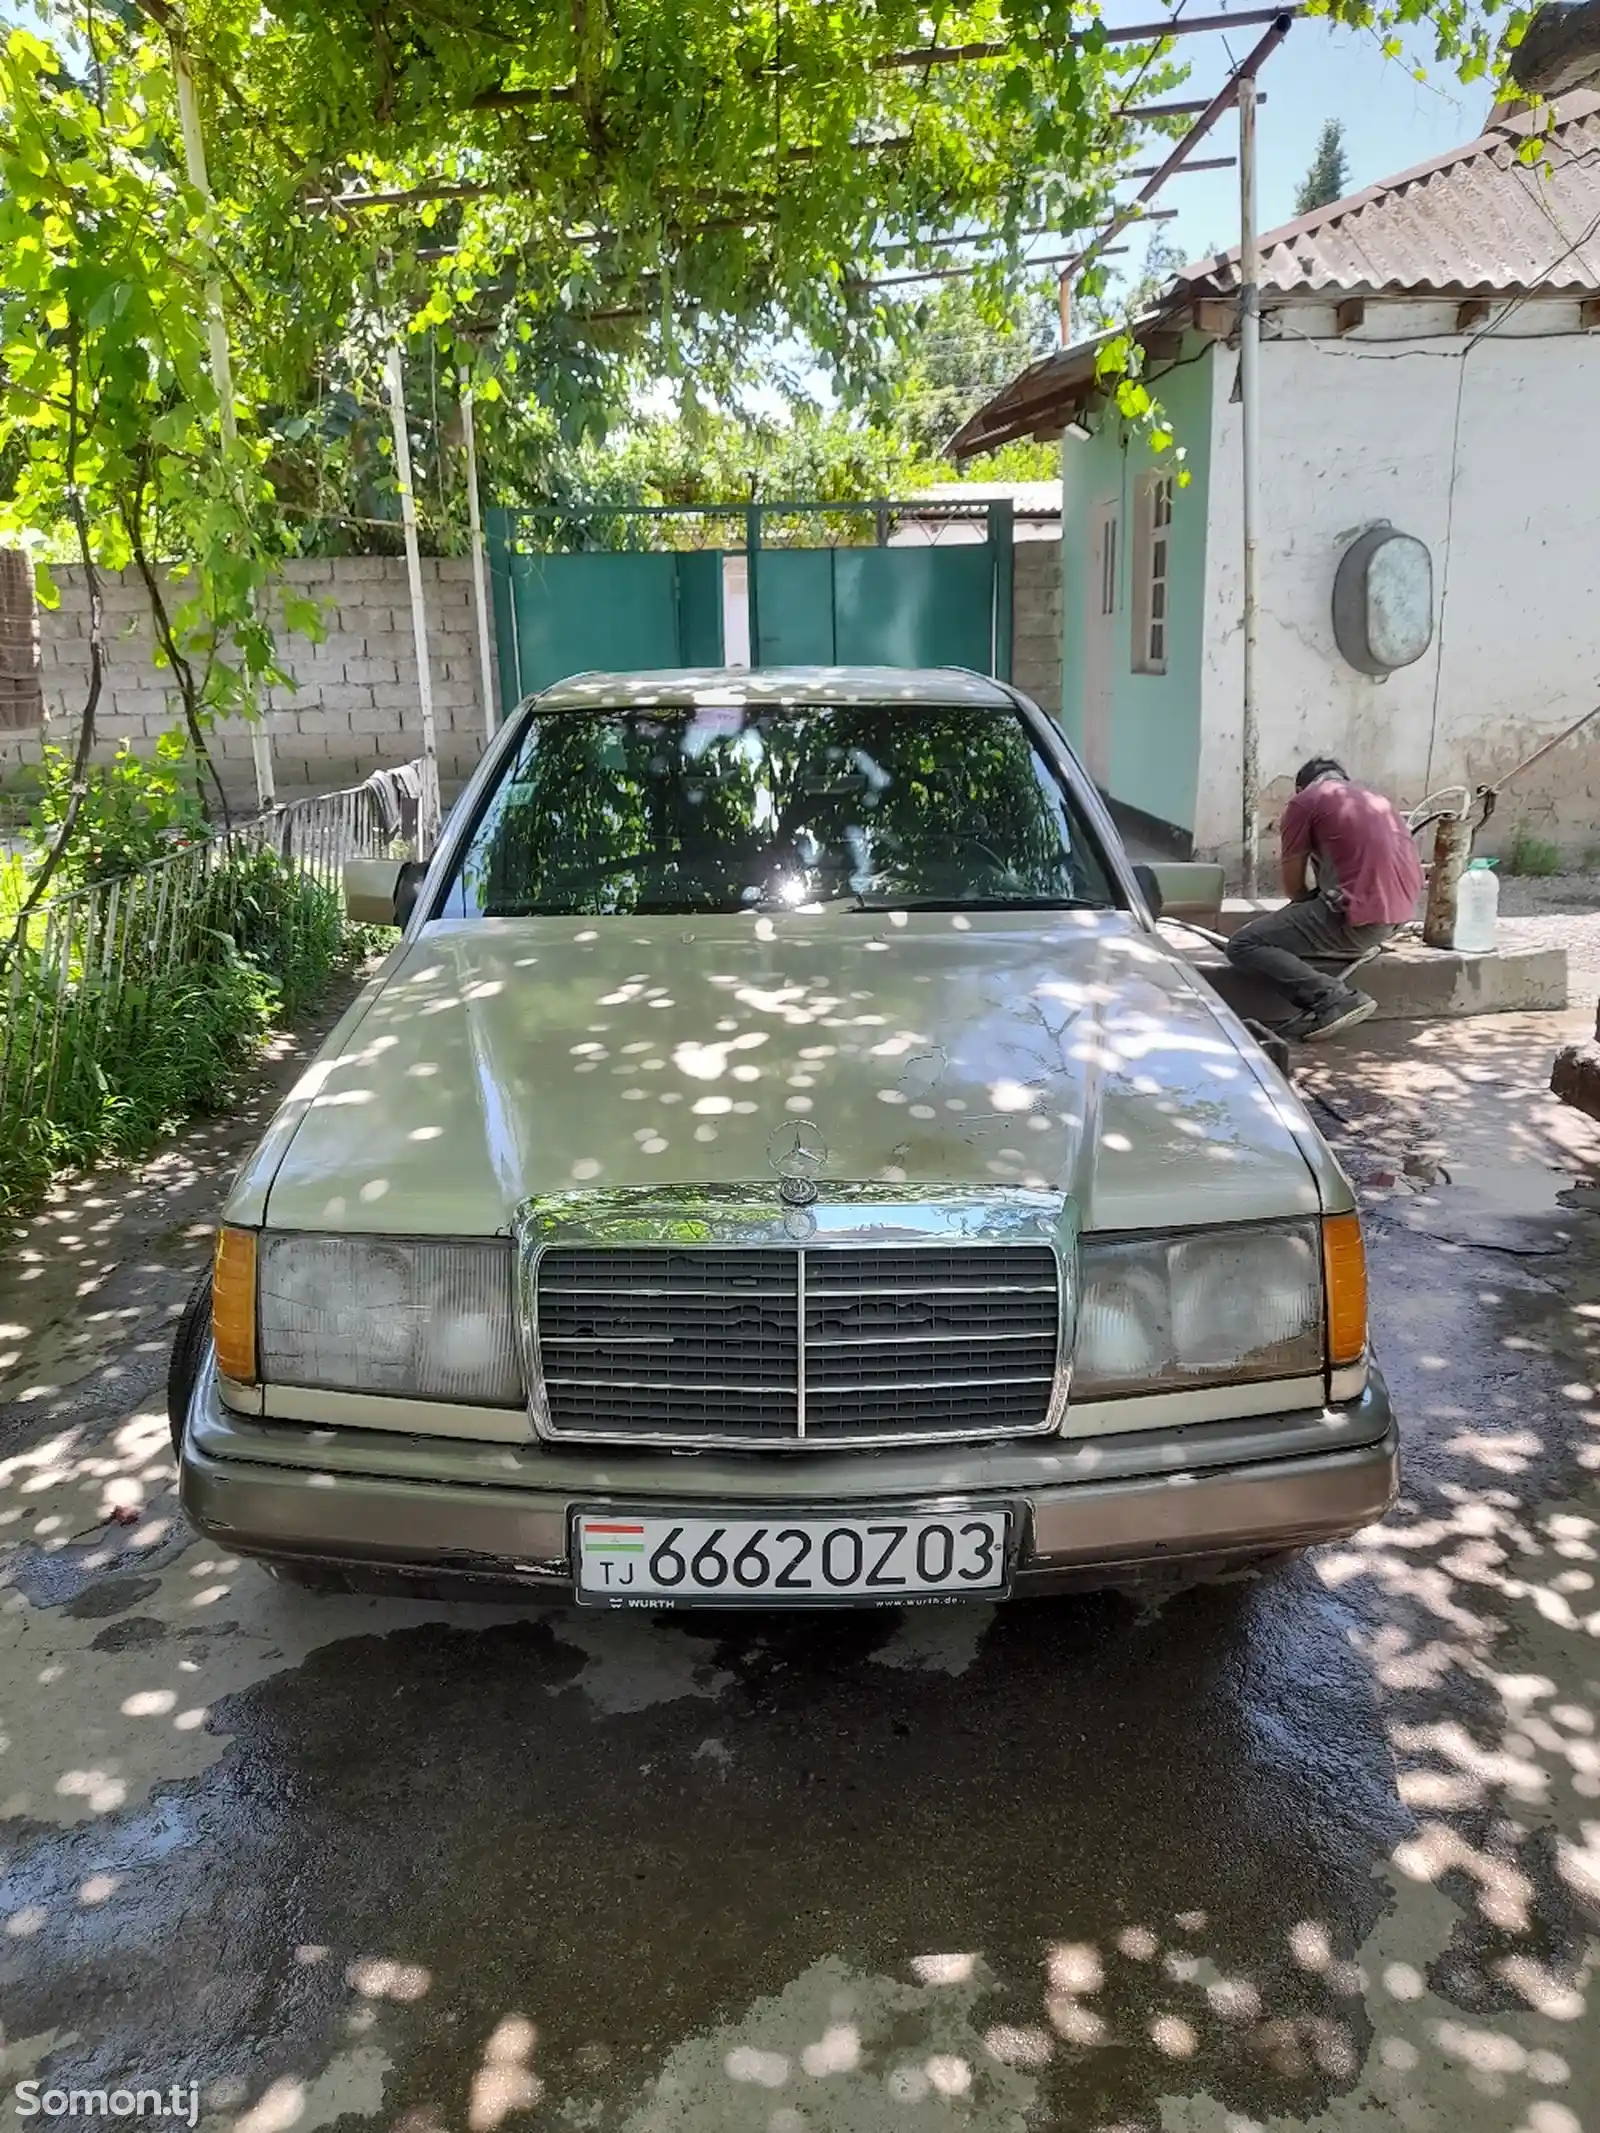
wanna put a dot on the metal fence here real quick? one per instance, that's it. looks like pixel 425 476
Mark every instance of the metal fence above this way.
pixel 117 1000
pixel 316 836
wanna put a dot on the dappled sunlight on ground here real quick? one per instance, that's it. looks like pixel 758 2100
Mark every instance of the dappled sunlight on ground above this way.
pixel 1316 1849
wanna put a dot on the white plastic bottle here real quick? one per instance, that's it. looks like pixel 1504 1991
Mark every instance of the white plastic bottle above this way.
pixel 1477 909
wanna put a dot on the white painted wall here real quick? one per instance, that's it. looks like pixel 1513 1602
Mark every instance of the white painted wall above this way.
pixel 1490 456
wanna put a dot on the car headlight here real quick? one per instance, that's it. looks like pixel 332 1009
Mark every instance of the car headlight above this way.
pixel 1160 1313
pixel 412 1319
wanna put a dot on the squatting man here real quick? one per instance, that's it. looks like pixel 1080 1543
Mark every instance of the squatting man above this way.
pixel 1367 881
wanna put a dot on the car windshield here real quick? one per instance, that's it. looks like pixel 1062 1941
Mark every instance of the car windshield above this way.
pixel 739 807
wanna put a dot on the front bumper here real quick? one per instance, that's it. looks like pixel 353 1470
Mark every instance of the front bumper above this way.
pixel 1092 1510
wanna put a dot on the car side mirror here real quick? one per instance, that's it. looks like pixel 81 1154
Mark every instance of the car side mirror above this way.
pixel 1185 888
pixel 372 889
pixel 413 873
pixel 1150 888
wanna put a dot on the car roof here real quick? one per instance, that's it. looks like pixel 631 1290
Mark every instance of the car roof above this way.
pixel 917 688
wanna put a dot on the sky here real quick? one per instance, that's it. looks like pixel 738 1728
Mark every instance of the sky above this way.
pixel 1319 72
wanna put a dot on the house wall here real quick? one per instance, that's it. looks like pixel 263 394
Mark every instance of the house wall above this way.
pixel 1486 451
pixel 356 707
pixel 1155 718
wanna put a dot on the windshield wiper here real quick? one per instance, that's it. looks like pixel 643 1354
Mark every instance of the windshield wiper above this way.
pixel 983 903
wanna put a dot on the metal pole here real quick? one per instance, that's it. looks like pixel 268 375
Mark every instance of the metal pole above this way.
pixel 1001 517
pixel 752 596
pixel 1250 484
pixel 194 156
pixel 394 374
pixel 480 595
pixel 1246 70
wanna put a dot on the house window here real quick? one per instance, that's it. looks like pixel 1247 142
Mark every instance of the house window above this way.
pixel 1152 573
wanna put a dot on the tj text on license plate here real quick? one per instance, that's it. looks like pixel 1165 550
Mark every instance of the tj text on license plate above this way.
pixel 884 1558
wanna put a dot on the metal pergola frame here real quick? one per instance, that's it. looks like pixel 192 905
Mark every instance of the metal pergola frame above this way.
pixel 1239 89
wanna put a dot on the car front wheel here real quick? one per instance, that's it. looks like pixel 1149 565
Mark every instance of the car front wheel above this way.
pixel 188 1352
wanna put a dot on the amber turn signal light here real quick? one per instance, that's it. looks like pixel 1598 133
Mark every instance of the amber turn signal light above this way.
pixel 1344 1269
pixel 233 1304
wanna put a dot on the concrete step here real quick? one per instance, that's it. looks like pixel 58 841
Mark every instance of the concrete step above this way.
pixel 1411 982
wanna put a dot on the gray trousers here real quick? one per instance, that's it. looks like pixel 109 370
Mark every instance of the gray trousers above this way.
pixel 1276 947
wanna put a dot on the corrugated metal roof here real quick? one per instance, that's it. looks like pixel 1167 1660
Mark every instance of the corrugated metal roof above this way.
pixel 1043 386
pixel 1473 222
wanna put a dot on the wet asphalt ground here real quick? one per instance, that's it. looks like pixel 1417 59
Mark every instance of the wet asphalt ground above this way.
pixel 1321 1849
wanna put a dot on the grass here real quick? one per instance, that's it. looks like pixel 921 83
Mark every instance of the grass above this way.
pixel 13 887
pixel 103 1062
pixel 1531 855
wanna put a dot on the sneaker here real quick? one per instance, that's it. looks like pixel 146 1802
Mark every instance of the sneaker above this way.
pixel 1342 1013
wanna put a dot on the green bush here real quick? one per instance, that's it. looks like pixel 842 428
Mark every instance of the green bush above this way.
pixel 118 1056
pixel 279 921
pixel 1531 855
pixel 135 809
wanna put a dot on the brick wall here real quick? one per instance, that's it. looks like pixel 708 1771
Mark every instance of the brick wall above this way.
pixel 1036 622
pixel 19 645
pixel 356 705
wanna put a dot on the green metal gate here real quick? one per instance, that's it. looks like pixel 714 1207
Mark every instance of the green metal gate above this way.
pixel 559 614
pixel 563 610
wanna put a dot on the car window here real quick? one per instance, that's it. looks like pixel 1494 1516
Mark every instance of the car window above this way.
pixel 738 807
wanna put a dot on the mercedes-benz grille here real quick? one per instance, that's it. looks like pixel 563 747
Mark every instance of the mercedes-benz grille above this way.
pixel 770 1346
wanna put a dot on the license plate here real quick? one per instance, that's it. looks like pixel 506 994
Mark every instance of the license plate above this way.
pixel 884 1560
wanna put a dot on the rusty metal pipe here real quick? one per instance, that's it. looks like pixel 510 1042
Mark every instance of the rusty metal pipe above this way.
pixel 1452 846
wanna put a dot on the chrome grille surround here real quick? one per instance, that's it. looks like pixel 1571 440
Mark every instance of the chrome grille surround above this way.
pixel 810 1346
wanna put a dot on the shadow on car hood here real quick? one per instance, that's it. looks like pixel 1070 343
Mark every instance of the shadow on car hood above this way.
pixel 1066 1050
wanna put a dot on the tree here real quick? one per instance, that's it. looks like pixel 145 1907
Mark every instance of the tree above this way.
pixel 722 458
pixel 955 350
pixel 1561 50
pixel 112 430
pixel 546 197
pixel 1329 174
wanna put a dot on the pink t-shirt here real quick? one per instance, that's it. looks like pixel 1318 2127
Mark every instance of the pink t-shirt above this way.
pixel 1367 863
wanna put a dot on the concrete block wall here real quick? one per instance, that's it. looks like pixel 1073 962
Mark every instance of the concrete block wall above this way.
pixel 355 708
pixel 1036 622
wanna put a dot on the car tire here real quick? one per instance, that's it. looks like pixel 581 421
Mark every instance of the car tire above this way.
pixel 188 1352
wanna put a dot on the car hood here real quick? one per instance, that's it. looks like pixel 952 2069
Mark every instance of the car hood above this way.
pixel 1071 1051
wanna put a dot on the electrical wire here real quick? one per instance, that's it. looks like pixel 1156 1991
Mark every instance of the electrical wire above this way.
pixel 1354 353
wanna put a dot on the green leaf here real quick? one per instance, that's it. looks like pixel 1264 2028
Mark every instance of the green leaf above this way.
pixel 303 616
